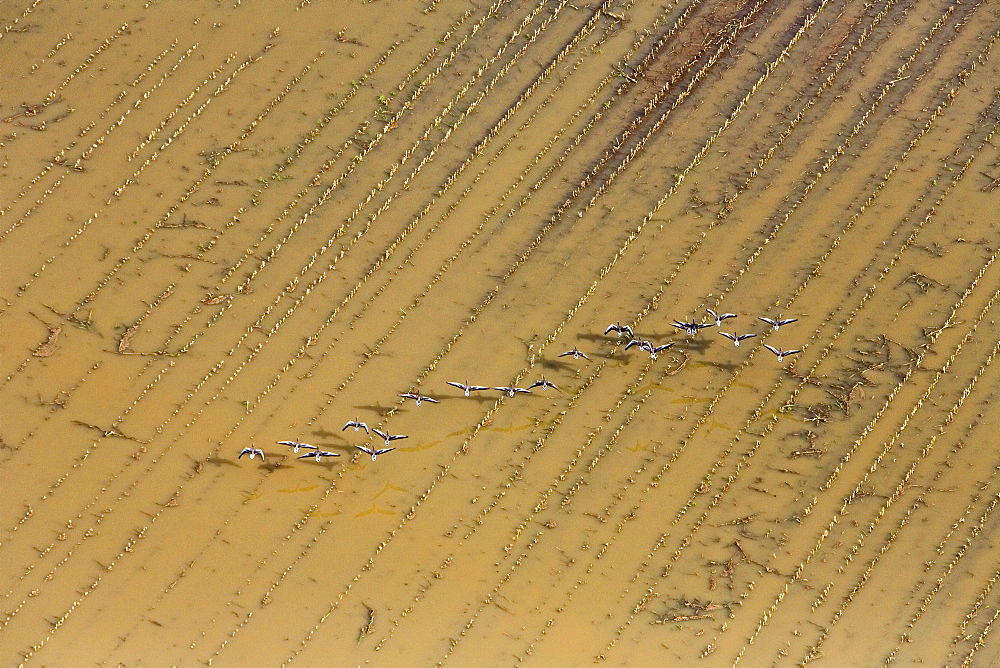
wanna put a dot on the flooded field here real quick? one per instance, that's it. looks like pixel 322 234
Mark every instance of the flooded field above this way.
pixel 229 224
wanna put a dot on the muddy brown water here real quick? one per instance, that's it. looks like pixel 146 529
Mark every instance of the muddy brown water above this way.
pixel 226 224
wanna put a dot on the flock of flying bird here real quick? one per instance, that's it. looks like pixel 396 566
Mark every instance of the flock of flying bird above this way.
pixel 689 328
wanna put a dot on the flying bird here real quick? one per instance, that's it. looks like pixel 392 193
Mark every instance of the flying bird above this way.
pixel 388 437
pixel 620 329
pixel 253 452
pixel 468 388
pixel 648 347
pixel 511 391
pixel 358 425
pixel 373 452
pixel 691 328
pixel 577 354
pixel 654 350
pixel 419 398
pixel 543 384
pixel 736 338
pixel 719 317
pixel 781 353
pixel 319 455
pixel 295 445
pixel 778 323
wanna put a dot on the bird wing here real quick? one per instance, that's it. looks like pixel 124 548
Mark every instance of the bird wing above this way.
pixel 772 349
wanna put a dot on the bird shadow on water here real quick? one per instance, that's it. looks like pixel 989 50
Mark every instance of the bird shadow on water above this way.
pixel 622 357
pixel 274 466
pixel 608 355
pixel 219 461
pixel 699 345
pixel 378 409
pixel 478 397
pixel 328 464
pixel 338 438
pixel 729 367
pixel 556 365
pixel 592 337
